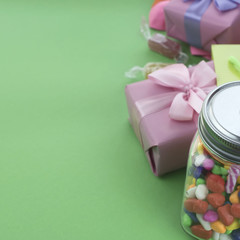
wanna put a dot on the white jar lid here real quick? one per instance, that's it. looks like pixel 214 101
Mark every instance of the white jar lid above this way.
pixel 219 122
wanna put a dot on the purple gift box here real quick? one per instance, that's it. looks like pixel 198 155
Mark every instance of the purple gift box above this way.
pixel 203 23
pixel 165 140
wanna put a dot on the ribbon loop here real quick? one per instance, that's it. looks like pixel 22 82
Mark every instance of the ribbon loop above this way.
pixel 191 89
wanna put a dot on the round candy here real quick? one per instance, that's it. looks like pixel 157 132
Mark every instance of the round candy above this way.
pixel 200 181
pixel 215 183
pixel 218 226
pixel 199 159
pixel 201 192
pixel 187 221
pixel 235 234
pixel 216 170
pixel 197 173
pixel 224 237
pixel 210 216
pixel 190 193
pixel 205 224
pixel 208 164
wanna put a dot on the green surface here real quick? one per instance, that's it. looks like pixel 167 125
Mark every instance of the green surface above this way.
pixel 71 167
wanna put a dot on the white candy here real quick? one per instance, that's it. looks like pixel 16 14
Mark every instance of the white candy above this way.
pixel 224 237
pixel 190 193
pixel 216 235
pixel 199 159
pixel 201 192
pixel 205 224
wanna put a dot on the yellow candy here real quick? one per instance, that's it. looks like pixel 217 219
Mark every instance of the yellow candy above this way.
pixel 233 226
pixel 191 186
pixel 238 180
pixel 218 226
pixel 234 197
pixel 194 181
pixel 226 167
pixel 200 148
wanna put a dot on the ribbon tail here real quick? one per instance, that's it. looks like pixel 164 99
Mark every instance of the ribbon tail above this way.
pixel 195 101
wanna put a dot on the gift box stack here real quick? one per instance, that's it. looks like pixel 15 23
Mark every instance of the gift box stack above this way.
pixel 164 108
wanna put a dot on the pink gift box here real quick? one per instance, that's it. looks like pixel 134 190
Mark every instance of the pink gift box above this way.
pixel 165 141
pixel 216 27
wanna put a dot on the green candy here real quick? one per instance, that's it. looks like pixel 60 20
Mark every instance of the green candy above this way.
pixel 224 194
pixel 187 221
pixel 224 177
pixel 200 181
pixel 224 171
pixel 217 170
pixel 228 232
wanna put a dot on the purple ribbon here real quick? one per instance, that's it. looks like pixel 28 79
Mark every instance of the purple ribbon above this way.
pixel 194 13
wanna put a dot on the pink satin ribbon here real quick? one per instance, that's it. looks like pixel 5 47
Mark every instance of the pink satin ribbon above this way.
pixel 188 90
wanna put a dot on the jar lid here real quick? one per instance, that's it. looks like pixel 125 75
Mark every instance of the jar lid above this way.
pixel 219 122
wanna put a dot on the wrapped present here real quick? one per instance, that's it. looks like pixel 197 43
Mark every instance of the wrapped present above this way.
pixel 203 23
pixel 162 111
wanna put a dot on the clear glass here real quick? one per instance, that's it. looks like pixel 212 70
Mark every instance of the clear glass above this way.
pixel 211 206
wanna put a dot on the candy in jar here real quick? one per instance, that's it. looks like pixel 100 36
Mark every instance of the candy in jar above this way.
pixel 211 201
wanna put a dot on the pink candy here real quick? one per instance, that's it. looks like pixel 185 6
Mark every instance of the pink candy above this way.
pixel 208 164
pixel 210 216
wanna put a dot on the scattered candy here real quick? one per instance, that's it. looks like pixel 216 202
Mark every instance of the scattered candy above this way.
pixel 187 221
pixel 216 199
pixel 191 215
pixel 198 171
pixel 233 173
pixel 224 213
pixel 200 181
pixel 215 183
pixel 200 148
pixel 200 232
pixel 190 193
pixel 217 170
pixel 224 237
pixel 201 192
pixel 235 234
pixel 199 160
pixel 194 181
pixel 208 164
pixel 224 171
pixel 216 235
pixel 205 224
pixel 218 227
pixel 235 210
pixel 235 225
pixel 210 216
pixel 234 197
pixel 191 186
pixel 228 232
pixel 195 205
pixel 238 180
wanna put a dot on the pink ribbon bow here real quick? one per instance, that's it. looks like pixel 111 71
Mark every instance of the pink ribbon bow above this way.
pixel 189 88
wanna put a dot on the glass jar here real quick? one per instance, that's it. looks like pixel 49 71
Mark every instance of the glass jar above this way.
pixel 211 201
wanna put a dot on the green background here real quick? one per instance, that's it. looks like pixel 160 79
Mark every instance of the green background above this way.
pixel 70 164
